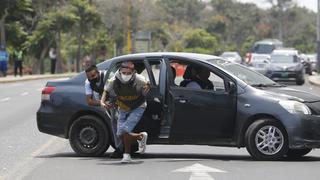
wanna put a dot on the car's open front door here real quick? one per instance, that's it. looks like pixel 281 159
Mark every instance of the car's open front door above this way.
pixel 154 115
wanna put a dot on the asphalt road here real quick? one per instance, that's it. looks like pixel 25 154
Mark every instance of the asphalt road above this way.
pixel 25 153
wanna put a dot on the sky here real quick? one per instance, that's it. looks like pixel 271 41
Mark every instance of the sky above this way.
pixel 310 4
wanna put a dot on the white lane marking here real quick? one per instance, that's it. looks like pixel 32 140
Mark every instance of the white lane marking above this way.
pixel 5 99
pixel 199 171
pixel 24 94
pixel 43 147
pixel 25 166
pixel 40 89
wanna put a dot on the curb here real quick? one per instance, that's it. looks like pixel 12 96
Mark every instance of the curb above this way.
pixel 35 77
pixel 315 80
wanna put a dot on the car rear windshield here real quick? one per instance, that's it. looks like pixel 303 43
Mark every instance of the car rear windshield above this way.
pixel 263 48
pixel 245 74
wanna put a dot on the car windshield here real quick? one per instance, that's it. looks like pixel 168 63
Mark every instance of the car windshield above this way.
pixel 283 58
pixel 245 74
pixel 263 48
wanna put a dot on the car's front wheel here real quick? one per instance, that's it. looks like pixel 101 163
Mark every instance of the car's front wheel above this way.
pixel 266 140
pixel 300 81
pixel 297 153
pixel 88 136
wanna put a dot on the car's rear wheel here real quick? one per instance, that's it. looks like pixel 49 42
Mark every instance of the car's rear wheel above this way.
pixel 266 140
pixel 297 153
pixel 88 136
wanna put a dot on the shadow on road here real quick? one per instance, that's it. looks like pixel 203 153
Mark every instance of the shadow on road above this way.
pixel 173 157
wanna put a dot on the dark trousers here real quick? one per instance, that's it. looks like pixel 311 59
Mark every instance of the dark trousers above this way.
pixel 3 68
pixel 17 66
pixel 53 65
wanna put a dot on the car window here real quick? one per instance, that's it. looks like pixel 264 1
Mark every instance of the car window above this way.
pixel 139 66
pixel 193 76
pixel 263 48
pixel 155 70
pixel 218 82
pixel 245 74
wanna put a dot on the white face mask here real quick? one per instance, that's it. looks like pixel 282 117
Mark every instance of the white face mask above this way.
pixel 126 78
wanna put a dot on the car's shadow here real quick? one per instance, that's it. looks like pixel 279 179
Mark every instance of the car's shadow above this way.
pixel 175 157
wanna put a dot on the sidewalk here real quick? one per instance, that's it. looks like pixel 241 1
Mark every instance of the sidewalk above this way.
pixel 315 80
pixel 11 78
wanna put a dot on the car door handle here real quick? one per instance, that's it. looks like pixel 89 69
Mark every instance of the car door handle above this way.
pixel 156 100
pixel 182 101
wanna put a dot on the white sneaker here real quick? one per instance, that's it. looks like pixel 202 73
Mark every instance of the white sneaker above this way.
pixel 143 143
pixel 126 158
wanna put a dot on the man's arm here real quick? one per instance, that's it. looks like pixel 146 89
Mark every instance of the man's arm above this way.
pixel 91 101
pixel 89 95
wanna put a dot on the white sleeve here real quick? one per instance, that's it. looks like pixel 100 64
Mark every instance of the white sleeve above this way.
pixel 88 88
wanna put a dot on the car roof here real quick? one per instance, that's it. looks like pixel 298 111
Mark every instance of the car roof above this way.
pixel 269 41
pixel 196 56
pixel 230 52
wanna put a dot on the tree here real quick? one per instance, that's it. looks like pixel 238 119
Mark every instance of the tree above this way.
pixel 279 8
pixel 11 7
pixel 200 41
pixel 182 10
pixel 87 18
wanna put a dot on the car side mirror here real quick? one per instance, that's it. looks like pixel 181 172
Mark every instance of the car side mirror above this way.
pixel 232 88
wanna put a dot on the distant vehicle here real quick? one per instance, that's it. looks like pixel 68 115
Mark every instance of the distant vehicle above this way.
pixel 232 56
pixel 286 66
pixel 313 61
pixel 265 46
pixel 306 63
pixel 259 63
pixel 244 109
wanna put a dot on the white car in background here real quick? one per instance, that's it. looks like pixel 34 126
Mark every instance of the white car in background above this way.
pixel 232 56
pixel 259 63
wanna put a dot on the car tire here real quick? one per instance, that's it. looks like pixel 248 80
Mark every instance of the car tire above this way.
pixel 89 136
pixel 297 153
pixel 270 146
pixel 300 82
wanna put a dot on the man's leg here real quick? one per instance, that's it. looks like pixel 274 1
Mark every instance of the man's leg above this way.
pixel 5 68
pixel 20 68
pixel 15 67
pixel 131 121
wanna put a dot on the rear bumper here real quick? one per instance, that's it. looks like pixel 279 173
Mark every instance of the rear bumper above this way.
pixel 53 122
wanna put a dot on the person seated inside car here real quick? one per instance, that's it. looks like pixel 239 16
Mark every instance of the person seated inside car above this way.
pixel 197 78
pixel 187 76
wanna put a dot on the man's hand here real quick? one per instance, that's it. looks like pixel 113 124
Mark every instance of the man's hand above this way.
pixel 146 88
pixel 106 105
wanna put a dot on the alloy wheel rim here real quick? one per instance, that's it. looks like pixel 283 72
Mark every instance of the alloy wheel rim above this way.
pixel 269 140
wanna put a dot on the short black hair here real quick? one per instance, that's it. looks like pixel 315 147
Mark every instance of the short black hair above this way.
pixel 90 68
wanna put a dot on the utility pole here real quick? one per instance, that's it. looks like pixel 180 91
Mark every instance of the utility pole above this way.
pixel 318 37
pixel 129 41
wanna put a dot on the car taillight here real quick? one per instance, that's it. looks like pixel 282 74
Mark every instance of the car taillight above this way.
pixel 45 96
